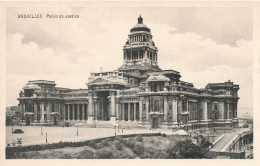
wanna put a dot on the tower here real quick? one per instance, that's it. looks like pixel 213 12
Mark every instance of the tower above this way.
pixel 140 48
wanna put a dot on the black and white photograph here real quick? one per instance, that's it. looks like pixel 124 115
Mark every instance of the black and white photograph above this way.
pixel 118 80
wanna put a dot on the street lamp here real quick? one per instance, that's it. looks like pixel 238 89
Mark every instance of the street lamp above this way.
pixel 78 127
pixel 46 138
pixel 41 130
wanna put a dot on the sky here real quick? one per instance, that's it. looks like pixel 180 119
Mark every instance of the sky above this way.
pixel 206 45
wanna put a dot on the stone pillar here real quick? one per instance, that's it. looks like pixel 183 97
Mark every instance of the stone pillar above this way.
pixel 42 112
pixel 78 112
pixel 68 111
pixel 60 111
pixel 73 111
pixel 174 110
pixel 48 112
pixel 165 111
pixel 123 111
pixel 117 110
pixel 147 109
pixel 235 110
pixel 102 111
pixel 113 107
pixel 24 110
pixel 140 110
pixel 95 110
pixel 228 111
pixel 134 111
pixel 83 112
pixel 35 111
pixel 205 116
pixel 90 107
pixel 129 118
pixel 64 111
pixel 221 110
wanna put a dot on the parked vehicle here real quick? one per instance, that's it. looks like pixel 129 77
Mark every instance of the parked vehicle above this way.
pixel 18 131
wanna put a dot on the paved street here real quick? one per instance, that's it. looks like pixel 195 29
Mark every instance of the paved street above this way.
pixel 32 134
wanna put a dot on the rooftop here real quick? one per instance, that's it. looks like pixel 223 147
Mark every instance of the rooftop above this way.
pixel 139 67
pixel 77 91
pixel 42 82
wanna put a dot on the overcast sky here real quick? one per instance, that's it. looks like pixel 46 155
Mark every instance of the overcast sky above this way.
pixel 206 45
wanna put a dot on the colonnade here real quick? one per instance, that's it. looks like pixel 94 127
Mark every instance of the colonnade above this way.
pixel 119 109
pixel 140 55
pixel 74 112
pixel 129 111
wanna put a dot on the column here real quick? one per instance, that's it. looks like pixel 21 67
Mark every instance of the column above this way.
pixel 42 112
pixel 113 106
pixel 64 111
pixel 59 108
pixel 68 111
pixel 117 110
pixel 95 110
pixel 205 110
pixel 73 111
pixel 128 111
pixel 134 111
pixel 78 112
pixel 90 107
pixel 221 110
pixel 102 111
pixel 35 111
pixel 24 109
pixel 174 110
pixel 123 111
pixel 165 111
pixel 235 110
pixel 83 112
pixel 140 110
pixel 48 111
pixel 147 109
pixel 228 111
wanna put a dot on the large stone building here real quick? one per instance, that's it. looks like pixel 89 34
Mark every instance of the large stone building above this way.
pixel 139 91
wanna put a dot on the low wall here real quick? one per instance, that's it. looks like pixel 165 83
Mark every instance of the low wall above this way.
pixel 232 155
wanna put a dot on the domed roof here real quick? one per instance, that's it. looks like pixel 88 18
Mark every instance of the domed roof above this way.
pixel 140 26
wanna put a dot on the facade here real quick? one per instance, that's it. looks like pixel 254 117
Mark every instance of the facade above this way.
pixel 139 91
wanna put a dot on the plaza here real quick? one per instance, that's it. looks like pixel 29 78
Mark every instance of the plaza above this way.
pixel 32 134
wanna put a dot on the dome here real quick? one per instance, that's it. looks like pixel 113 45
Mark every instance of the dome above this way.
pixel 140 26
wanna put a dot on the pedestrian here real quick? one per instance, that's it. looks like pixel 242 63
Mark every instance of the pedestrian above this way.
pixel 122 130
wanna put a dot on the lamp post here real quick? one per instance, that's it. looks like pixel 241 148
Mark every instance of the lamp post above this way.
pixel 41 130
pixel 46 138
pixel 77 130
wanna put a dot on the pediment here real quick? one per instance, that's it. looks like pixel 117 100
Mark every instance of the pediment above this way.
pixel 99 81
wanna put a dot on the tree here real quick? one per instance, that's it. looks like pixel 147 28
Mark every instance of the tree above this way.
pixel 186 149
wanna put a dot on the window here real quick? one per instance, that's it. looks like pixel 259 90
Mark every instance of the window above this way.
pixel 215 106
pixel 141 54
